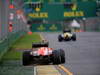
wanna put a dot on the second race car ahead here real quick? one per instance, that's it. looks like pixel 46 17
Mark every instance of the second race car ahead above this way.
pixel 67 36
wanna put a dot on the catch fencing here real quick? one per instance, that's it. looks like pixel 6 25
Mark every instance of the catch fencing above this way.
pixel 12 25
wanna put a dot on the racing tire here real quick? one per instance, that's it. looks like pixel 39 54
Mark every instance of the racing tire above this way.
pixel 56 57
pixel 26 60
pixel 74 37
pixel 62 55
pixel 60 38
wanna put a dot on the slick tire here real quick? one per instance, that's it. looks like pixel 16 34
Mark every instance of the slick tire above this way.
pixel 62 55
pixel 74 37
pixel 26 58
pixel 56 57
pixel 60 38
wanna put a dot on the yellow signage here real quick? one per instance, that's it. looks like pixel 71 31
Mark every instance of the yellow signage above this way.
pixel 38 15
pixel 37 9
pixel 53 27
pixel 74 14
pixel 41 27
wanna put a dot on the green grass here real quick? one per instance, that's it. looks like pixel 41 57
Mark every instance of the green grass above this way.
pixel 24 42
pixel 12 55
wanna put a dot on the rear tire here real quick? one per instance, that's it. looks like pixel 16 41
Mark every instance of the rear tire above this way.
pixel 62 55
pixel 60 38
pixel 56 57
pixel 26 58
pixel 74 37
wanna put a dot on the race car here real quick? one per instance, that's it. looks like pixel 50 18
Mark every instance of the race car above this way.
pixel 67 36
pixel 42 54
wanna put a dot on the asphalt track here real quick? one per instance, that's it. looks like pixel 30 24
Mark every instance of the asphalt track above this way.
pixel 82 56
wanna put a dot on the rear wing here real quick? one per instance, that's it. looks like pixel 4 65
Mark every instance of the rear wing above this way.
pixel 40 44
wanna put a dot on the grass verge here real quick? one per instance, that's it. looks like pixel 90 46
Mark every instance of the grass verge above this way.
pixel 24 42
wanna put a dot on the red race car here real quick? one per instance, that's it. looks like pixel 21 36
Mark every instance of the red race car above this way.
pixel 42 54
